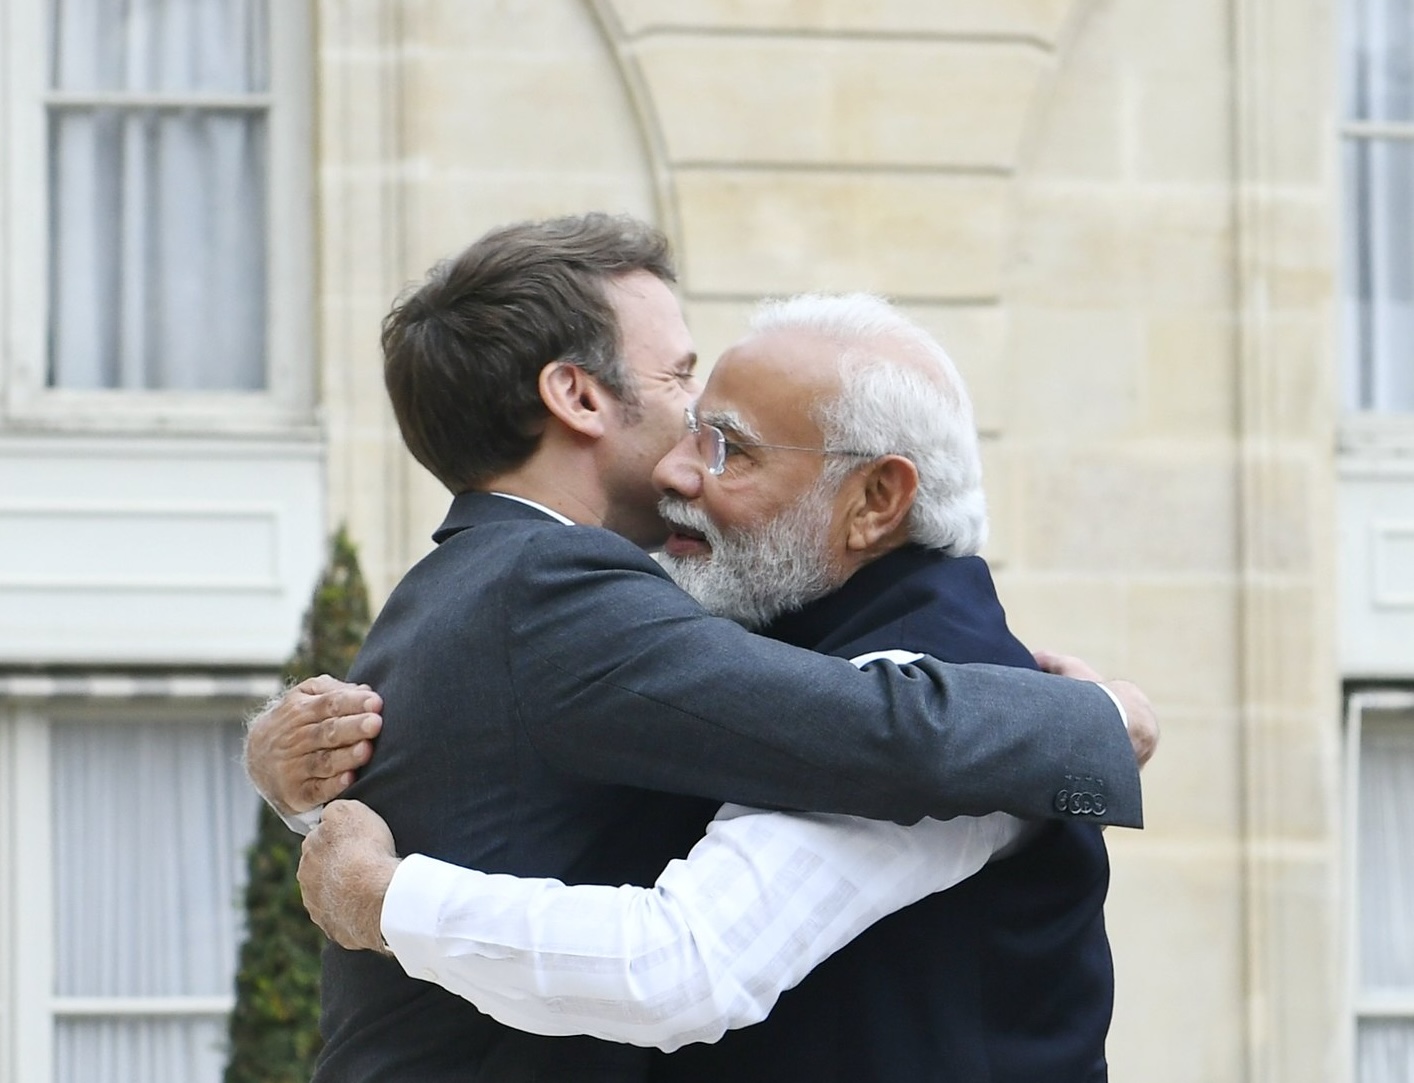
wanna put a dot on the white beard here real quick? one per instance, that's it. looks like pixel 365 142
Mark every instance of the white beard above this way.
pixel 753 576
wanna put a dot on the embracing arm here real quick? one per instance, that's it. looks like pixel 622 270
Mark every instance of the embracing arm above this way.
pixel 758 903
pixel 624 679
pixel 621 678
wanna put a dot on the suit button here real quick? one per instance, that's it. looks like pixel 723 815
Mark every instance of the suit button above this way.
pixel 1081 803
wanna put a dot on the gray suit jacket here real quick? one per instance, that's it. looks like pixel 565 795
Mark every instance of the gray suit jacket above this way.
pixel 555 706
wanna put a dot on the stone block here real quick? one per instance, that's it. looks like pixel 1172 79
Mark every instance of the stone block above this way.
pixel 1193 787
pixel 1288 644
pixel 1077 373
pixel 1041 20
pixel 1191 38
pixel 1079 130
pixel 1083 615
pixel 545 109
pixel 1296 766
pixel 1121 246
pixel 913 103
pixel 1282 487
pixel 1175 921
pixel 1299 396
pixel 1183 641
pixel 1190 376
pixel 1130 510
pixel 916 237
pixel 518 26
pixel 1302 981
pixel 1183 127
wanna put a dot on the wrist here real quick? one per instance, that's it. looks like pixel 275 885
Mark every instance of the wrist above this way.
pixel 379 876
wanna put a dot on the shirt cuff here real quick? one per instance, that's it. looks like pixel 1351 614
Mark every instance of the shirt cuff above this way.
pixel 412 910
pixel 303 822
pixel 1123 716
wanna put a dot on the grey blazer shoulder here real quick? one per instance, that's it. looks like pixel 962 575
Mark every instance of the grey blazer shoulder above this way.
pixel 620 677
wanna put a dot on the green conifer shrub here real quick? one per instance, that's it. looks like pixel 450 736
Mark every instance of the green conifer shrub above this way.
pixel 274 1029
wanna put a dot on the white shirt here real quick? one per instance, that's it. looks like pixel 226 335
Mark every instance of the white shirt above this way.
pixel 761 900
pixel 758 903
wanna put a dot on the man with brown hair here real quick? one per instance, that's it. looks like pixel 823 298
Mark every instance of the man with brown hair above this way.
pixel 554 706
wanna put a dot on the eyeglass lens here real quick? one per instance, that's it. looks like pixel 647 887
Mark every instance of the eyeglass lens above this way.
pixel 710 441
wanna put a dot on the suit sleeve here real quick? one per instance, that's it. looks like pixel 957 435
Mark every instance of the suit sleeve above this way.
pixel 621 678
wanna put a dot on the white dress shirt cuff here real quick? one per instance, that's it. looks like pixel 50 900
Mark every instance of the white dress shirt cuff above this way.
pixel 412 908
pixel 1123 715
pixel 302 823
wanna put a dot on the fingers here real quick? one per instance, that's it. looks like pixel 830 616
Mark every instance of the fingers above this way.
pixel 330 719
pixel 346 864
pixel 1142 719
pixel 307 873
pixel 324 683
pixel 1066 665
pixel 320 790
pixel 354 825
pixel 303 748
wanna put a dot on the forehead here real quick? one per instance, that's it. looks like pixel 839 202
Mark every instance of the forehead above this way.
pixel 650 320
pixel 773 380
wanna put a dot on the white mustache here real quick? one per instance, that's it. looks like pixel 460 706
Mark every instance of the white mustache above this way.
pixel 679 513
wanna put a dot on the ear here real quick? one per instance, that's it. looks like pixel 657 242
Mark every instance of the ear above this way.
pixel 574 398
pixel 882 503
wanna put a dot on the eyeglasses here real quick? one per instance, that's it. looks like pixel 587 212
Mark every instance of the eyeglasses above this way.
pixel 712 444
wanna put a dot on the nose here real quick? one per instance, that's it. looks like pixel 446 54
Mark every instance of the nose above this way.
pixel 679 472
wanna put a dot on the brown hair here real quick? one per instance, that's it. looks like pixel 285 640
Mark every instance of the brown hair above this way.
pixel 463 351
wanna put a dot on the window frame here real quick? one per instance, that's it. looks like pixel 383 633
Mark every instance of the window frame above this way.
pixel 1363 1005
pixel 34 1010
pixel 286 404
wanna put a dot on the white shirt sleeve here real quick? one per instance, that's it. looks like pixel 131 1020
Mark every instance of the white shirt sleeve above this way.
pixel 759 902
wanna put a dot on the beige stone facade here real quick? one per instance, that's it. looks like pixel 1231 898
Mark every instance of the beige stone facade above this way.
pixel 1119 215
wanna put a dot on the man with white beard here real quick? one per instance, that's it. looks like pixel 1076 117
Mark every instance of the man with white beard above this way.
pixel 828 493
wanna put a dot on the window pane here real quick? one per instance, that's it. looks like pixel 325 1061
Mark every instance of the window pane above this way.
pixel 1379 60
pixel 151 821
pixel 153 1051
pixel 1386 849
pixel 1379 275
pixel 157 277
pixel 160 45
pixel 1385 1051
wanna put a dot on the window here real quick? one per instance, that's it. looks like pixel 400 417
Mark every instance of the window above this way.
pixel 1381 794
pixel 135 817
pixel 1378 164
pixel 160 185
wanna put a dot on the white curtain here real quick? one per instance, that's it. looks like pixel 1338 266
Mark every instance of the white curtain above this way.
pixel 1386 874
pixel 158 253
pixel 1379 208
pixel 151 822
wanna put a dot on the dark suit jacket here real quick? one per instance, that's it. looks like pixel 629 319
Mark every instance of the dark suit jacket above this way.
pixel 1005 978
pixel 555 706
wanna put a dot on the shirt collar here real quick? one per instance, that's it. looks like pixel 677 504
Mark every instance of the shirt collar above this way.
pixel 551 512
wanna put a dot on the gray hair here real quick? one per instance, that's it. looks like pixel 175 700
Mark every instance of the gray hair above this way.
pixel 888 407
